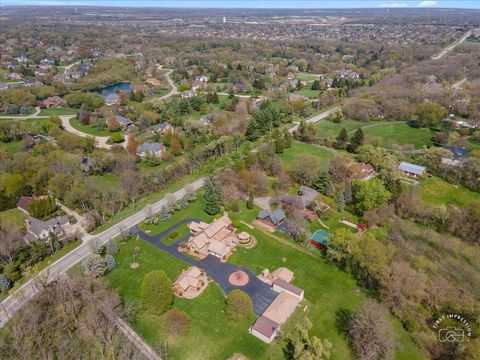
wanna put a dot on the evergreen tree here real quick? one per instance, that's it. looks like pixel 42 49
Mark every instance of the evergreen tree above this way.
pixel 357 140
pixel 164 214
pixel 316 85
pixel 288 139
pixel 340 200
pixel 4 283
pixel 250 201
pixel 212 205
pixel 219 193
pixel 253 132
pixel 112 247
pixel 342 139
pixel 110 262
pixel 322 183
pixel 279 144
pixel 348 194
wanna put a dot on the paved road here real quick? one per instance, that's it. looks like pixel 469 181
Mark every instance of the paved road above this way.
pixel 260 292
pixel 15 301
pixel 317 118
pixel 68 67
pixel 174 90
pixel 452 46
pixel 100 141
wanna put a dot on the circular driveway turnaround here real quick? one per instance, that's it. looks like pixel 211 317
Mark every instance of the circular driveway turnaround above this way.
pixel 238 278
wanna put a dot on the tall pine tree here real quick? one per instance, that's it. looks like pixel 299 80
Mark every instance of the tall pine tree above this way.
pixel 357 140
pixel 253 132
pixel 342 139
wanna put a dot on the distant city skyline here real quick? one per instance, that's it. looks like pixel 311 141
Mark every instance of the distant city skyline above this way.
pixel 258 4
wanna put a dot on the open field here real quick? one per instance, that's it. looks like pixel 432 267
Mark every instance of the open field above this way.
pixel 439 192
pixel 330 129
pixel 386 135
pixel 13 217
pixel 57 111
pixel 88 129
pixel 12 147
pixel 288 156
pixel 306 91
pixel 304 76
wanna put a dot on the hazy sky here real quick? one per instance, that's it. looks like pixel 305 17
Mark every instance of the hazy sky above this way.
pixel 474 4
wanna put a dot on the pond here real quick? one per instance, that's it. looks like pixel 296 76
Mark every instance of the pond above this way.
pixel 113 88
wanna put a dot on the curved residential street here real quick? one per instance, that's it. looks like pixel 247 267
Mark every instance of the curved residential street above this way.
pixel 16 300
pixel 174 90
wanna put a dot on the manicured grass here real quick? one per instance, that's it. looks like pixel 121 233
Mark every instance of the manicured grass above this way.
pixel 13 217
pixel 58 111
pixel 288 156
pixel 304 76
pixel 88 129
pixel 107 180
pixel 12 147
pixel 385 135
pixel 30 111
pixel 327 128
pixel 306 91
pixel 439 192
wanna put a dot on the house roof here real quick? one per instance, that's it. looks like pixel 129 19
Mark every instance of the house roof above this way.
pixel 275 216
pixel 411 168
pixel 288 287
pixel 458 151
pixel 282 307
pixel 154 147
pixel 189 277
pixel 218 247
pixel 37 226
pixel 283 273
pixel 161 126
pixel 265 326
pixel 111 97
pixel 123 120
pixel 198 226
pixel 24 202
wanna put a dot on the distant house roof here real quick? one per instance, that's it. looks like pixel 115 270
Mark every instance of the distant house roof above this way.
pixel 111 98
pixel 265 326
pixel 275 216
pixel 125 122
pixel 161 127
pixel 458 151
pixel 153 147
pixel 411 168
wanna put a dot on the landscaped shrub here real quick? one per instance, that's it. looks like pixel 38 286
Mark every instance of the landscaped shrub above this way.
pixel 239 306
pixel 4 283
pixel 93 265
pixel 116 138
pixel 110 262
pixel 176 323
pixel 156 293
pixel 112 247
pixel 164 214
pixel 173 235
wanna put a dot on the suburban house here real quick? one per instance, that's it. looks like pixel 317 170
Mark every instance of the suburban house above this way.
pixel 140 88
pixel 188 94
pixel 307 195
pixel 111 99
pixel 267 326
pixel 123 121
pixel 365 172
pixel 217 239
pixel 290 76
pixel 38 229
pixel 162 128
pixel 154 148
pixel 411 170
pixel 190 282
pixel 201 78
pixel 206 119
pixel 53 101
pixel 271 218
pixel 153 81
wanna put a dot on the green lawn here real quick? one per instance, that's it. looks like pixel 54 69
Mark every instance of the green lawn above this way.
pixel 439 192
pixel 107 180
pixel 306 91
pixel 88 129
pixel 212 336
pixel 288 156
pixel 385 135
pixel 13 217
pixel 30 110
pixel 304 76
pixel 12 147
pixel 58 111
pixel 330 129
